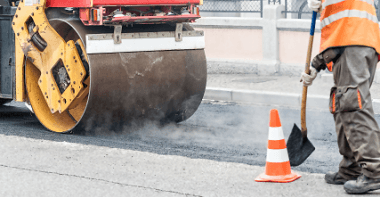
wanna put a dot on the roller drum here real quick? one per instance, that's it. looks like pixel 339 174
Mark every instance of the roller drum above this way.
pixel 163 85
pixel 128 87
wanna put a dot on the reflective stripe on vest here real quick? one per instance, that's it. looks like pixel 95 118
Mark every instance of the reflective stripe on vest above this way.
pixel 330 2
pixel 348 13
pixel 349 23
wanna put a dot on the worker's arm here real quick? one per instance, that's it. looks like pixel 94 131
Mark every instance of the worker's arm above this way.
pixel 319 63
pixel 308 79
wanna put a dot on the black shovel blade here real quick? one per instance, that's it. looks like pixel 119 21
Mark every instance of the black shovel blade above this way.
pixel 299 148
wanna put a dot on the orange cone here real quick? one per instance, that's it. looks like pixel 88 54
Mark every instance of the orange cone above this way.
pixel 277 168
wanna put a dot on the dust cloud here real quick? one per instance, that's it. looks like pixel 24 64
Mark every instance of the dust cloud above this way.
pixel 212 126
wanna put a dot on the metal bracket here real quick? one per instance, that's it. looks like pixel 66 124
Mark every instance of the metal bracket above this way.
pixel 29 2
pixel 117 34
pixel 178 32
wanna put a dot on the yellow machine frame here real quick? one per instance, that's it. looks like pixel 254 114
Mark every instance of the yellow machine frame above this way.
pixel 57 50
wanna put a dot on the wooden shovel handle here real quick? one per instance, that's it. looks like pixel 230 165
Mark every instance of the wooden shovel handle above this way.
pixel 307 70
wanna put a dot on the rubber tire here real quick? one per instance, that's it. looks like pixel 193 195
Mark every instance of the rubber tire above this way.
pixel 3 101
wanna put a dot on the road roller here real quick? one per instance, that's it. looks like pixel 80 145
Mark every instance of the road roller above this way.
pixel 88 64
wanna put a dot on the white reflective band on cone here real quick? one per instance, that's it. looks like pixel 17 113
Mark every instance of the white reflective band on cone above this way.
pixel 348 13
pixel 277 155
pixel 144 44
pixel 330 2
pixel 275 133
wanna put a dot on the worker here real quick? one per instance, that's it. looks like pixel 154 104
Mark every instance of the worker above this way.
pixel 350 45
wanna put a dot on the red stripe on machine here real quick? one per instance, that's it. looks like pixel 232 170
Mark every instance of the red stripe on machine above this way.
pixel 87 3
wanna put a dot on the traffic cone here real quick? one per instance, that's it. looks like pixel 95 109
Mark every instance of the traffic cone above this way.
pixel 277 168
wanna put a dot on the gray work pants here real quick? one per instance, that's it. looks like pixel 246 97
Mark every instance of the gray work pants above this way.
pixel 350 102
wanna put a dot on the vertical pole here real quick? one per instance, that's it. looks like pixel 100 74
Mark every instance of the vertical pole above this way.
pixel 261 8
pixel 307 66
pixel 286 8
pixel 378 10
pixel 270 35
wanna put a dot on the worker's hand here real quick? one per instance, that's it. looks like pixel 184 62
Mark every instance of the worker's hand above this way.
pixel 308 79
pixel 314 5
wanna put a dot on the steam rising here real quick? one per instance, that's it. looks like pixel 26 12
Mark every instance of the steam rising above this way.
pixel 221 130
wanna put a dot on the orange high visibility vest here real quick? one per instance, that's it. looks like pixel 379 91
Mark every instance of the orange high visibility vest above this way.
pixel 348 23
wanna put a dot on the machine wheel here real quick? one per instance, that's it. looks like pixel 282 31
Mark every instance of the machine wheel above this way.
pixel 124 87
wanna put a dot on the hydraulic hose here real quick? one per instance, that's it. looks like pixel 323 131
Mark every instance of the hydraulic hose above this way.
pixel 37 40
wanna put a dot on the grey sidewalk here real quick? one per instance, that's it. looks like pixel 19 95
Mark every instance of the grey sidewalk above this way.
pixel 275 90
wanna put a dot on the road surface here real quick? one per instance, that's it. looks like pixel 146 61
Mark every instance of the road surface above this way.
pixel 217 152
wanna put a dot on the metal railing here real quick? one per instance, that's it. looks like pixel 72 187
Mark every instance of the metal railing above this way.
pixel 296 8
pixel 300 10
pixel 253 6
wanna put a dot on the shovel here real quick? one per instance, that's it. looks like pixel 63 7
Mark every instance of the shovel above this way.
pixel 298 145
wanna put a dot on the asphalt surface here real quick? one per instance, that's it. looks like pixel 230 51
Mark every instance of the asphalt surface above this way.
pixel 218 131
pixel 217 152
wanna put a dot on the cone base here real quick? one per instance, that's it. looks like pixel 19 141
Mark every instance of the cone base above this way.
pixel 279 179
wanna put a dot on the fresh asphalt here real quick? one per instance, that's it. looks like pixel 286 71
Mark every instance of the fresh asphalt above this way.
pixel 217 152
pixel 219 131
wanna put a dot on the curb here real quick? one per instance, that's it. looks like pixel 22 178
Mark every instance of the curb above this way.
pixel 265 68
pixel 272 98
